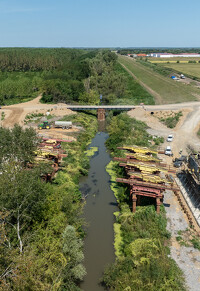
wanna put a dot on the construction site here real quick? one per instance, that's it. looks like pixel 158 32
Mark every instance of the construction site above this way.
pixel 149 177
pixel 51 153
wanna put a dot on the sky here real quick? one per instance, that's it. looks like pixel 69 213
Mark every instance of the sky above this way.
pixel 102 23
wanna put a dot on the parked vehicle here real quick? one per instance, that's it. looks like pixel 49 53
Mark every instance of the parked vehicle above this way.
pixel 170 138
pixel 182 76
pixel 63 124
pixel 174 78
pixel 168 151
pixel 44 125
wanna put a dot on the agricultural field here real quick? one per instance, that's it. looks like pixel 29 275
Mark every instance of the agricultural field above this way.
pixel 172 60
pixel 187 69
pixel 164 90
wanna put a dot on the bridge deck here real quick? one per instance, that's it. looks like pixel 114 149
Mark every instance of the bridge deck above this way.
pixel 95 107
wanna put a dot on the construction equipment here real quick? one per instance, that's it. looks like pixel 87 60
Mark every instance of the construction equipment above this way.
pixel 44 125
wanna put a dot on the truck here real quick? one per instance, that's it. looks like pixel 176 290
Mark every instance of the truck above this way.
pixel 63 124
pixel 44 125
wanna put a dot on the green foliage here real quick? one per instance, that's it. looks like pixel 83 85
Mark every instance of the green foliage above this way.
pixel 56 73
pixel 18 143
pixel 118 239
pixel 158 140
pixel 172 121
pixel 134 93
pixel 2 116
pixel 91 151
pixel 124 130
pixel 91 98
pixel 156 68
pixel 141 238
pixel 45 251
pixel 198 133
pixel 145 264
pixel 72 250
pixel 33 115
pixel 196 242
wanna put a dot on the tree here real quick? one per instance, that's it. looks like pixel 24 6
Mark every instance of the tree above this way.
pixel 18 144
pixel 92 97
pixel 22 196
pixel 72 249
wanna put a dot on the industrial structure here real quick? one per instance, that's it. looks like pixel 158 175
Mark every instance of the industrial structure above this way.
pixel 170 55
pixel 189 183
pixel 145 175
pixel 50 152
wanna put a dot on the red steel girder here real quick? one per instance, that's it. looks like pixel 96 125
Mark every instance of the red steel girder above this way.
pixel 151 185
pixel 152 195
pixel 146 189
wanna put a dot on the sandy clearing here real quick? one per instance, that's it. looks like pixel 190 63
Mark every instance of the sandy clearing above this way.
pixel 17 113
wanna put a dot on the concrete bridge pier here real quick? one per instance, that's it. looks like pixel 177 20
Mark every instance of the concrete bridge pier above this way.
pixel 101 114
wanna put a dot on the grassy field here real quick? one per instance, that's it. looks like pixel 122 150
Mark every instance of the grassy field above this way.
pixel 164 89
pixel 187 69
pixel 172 60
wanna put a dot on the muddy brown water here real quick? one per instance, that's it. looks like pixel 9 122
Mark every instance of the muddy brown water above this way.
pixel 98 213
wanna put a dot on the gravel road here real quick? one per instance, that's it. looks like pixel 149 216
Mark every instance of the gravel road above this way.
pixel 187 258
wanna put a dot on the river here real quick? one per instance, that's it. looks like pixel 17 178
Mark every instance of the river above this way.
pixel 98 213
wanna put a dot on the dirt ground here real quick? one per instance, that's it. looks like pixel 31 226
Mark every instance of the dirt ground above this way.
pixel 57 133
pixel 187 258
pixel 185 131
pixel 15 114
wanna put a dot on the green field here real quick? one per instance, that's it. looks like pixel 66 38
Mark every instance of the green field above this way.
pixel 187 69
pixel 172 60
pixel 164 89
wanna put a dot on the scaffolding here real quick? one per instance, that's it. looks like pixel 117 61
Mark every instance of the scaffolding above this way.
pixel 143 175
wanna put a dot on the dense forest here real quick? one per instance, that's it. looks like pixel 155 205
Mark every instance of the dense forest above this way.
pixel 143 259
pixel 66 75
pixel 40 223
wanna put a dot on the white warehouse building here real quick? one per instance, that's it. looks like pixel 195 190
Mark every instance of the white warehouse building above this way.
pixel 169 55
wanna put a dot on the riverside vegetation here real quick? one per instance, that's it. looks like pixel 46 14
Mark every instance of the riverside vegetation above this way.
pixel 143 259
pixel 41 229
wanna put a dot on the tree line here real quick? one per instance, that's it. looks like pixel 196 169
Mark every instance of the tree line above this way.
pixel 125 51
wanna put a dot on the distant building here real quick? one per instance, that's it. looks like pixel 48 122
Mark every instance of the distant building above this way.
pixel 132 55
pixel 141 55
pixel 187 55
pixel 169 55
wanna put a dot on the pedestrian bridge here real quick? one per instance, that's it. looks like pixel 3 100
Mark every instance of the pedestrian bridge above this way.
pixel 101 109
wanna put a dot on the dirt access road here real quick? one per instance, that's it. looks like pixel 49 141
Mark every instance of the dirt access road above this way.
pixel 184 133
pixel 15 114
